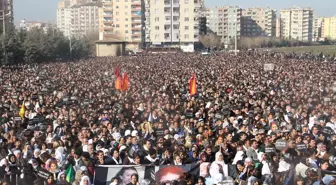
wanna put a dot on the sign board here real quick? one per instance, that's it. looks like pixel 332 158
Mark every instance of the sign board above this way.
pixel 327 99
pixel 268 67
pixel 328 131
pixel 159 132
pixel 269 150
pixel 280 144
pixel 227 181
pixel 44 174
pixel 301 147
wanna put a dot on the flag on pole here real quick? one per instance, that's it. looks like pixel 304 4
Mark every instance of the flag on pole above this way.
pixel 124 84
pixel 70 174
pixel 117 71
pixel 192 85
pixel 118 83
pixel 22 110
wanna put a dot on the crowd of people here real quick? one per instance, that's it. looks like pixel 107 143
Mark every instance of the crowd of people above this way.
pixel 257 126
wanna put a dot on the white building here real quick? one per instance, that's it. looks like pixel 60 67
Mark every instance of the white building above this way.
pixel 172 22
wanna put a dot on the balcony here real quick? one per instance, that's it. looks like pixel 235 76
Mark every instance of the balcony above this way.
pixel 167 22
pixel 176 13
pixel 197 5
pixel 176 4
pixel 108 22
pixel 136 3
pixel 167 4
pixel 107 8
pixel 108 15
pixel 136 21
pixel 108 28
pixel 135 15
pixel 167 30
pixel 166 13
pixel 138 28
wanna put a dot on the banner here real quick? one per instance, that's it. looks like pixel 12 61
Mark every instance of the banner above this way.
pixel 104 174
pixel 173 173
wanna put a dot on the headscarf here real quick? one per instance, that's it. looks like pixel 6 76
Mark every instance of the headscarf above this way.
pixel 3 162
pixel 215 173
pixel 238 157
pixel 222 164
pixel 83 179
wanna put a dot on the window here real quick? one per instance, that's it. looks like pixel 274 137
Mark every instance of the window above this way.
pixel 186 1
pixel 126 31
pixel 117 25
pixel 186 19
pixel 157 27
pixel 186 36
pixel 117 7
pixel 157 36
pixel 186 10
pixel 126 38
pixel 126 25
pixel 126 19
pixel 117 13
pixel 126 6
pixel 157 19
pixel 157 11
pixel 126 13
pixel 156 1
pixel 117 19
pixel 186 27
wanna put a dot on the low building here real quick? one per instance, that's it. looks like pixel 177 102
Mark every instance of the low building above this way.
pixel 110 47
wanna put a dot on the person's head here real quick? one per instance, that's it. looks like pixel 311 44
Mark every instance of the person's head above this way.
pixel 299 181
pixel 200 180
pixel 85 180
pixel 100 155
pixel 177 159
pixel 219 156
pixel 134 178
pixel 125 174
pixel 324 165
pixel 53 166
pixel 254 144
pixel 115 153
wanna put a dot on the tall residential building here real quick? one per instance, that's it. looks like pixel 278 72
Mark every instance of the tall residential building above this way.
pixel 85 19
pixel 173 22
pixel 278 28
pixel 124 19
pixel 226 22
pixel 329 28
pixel 6 6
pixel 64 17
pixel 78 20
pixel 317 30
pixel 297 23
pixel 259 22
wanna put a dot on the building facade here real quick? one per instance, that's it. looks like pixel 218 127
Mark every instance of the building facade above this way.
pixel 85 19
pixel 225 22
pixel 297 24
pixel 317 28
pixel 259 22
pixel 77 20
pixel 329 28
pixel 172 22
pixel 123 19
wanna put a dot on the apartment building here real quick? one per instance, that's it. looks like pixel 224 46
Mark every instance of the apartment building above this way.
pixel 173 22
pixel 278 28
pixel 64 17
pixel 317 28
pixel 329 28
pixel 6 8
pixel 123 19
pixel 225 22
pixel 258 22
pixel 85 19
pixel 297 23
pixel 79 19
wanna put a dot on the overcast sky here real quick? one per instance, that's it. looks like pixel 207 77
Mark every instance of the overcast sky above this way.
pixel 45 10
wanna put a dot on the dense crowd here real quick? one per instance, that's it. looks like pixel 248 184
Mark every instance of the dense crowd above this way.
pixel 75 117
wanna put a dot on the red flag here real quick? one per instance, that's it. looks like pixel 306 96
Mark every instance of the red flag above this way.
pixel 117 71
pixel 118 83
pixel 192 85
pixel 124 85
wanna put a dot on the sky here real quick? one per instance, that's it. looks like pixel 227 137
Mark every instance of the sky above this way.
pixel 45 10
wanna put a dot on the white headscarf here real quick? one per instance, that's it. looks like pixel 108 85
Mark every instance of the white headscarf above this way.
pixel 83 179
pixel 3 162
pixel 223 165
